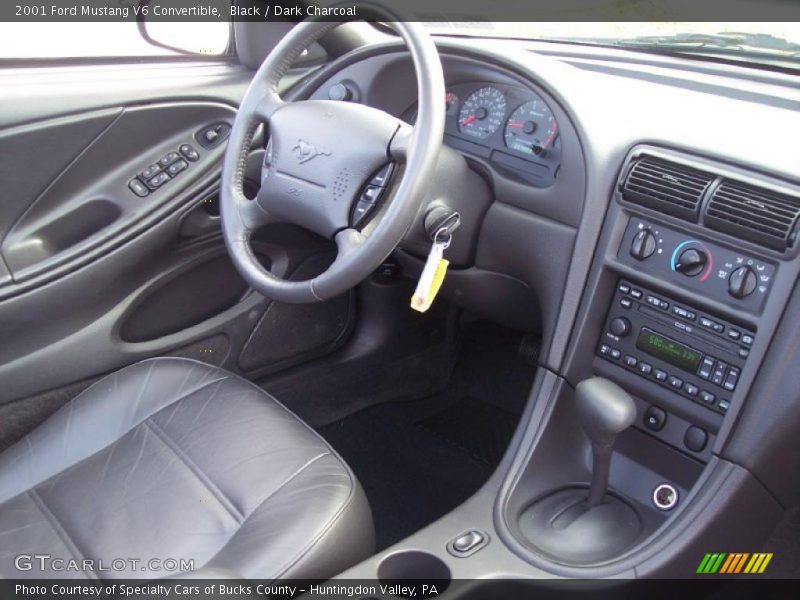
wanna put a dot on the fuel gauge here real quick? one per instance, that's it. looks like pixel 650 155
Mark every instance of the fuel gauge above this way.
pixel 532 129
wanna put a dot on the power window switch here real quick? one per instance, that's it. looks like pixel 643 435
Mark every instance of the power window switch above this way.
pixel 150 171
pixel 177 167
pixel 168 158
pixel 158 180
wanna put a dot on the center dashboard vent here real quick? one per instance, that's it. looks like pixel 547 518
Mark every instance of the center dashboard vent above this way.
pixel 755 214
pixel 667 187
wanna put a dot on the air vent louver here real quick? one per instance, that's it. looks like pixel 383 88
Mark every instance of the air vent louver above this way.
pixel 756 214
pixel 666 187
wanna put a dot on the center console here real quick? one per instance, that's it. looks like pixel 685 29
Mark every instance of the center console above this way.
pixel 694 268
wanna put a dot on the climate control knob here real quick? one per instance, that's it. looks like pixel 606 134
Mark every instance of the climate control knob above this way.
pixel 643 245
pixel 620 326
pixel 742 282
pixel 691 262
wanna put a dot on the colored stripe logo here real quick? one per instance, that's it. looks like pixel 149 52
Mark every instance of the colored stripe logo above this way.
pixel 734 563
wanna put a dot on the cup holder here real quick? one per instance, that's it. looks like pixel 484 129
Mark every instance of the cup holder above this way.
pixel 414 574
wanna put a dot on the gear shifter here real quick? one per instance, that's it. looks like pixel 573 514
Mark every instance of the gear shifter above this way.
pixel 604 410
pixel 568 524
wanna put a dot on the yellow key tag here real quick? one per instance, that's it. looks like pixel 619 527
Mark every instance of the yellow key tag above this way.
pixel 431 278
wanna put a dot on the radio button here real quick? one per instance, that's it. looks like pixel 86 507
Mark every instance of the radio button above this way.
pixel 707 397
pixel 747 340
pixel 631 361
pixel 713 325
pixel 615 354
pixel 637 294
pixel 660 375
pixel 723 405
pixel 676 382
pixel 626 303
pixel 732 379
pixel 706 367
pixel 690 389
pixel 679 311
pixel 744 352
pixel 734 334
pixel 719 373
pixel 624 288
pixel 657 302
pixel 645 368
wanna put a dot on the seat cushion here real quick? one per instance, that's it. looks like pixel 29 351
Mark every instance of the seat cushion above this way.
pixel 175 459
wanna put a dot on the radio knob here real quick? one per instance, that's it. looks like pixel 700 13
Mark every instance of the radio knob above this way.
pixel 742 282
pixel 691 262
pixel 620 326
pixel 643 245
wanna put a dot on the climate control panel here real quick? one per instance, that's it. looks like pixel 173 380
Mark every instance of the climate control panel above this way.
pixel 697 355
pixel 730 276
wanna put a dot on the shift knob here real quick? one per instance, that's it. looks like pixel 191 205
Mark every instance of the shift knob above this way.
pixel 604 410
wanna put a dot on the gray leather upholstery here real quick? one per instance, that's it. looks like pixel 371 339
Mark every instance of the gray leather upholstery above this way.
pixel 172 458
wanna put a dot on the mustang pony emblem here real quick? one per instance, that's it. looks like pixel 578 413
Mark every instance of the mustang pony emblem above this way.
pixel 305 151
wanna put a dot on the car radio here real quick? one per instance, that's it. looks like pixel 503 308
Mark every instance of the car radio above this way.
pixel 694 354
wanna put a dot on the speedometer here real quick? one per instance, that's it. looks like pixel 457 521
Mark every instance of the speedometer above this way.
pixel 482 113
pixel 532 129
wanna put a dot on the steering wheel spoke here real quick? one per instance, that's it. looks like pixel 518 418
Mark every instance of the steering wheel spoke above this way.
pixel 253 216
pixel 267 106
pixel 401 142
pixel 348 241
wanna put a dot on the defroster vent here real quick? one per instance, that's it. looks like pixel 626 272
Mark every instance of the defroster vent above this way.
pixel 666 187
pixel 755 214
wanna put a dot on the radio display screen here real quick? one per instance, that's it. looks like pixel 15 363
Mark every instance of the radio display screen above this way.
pixel 668 350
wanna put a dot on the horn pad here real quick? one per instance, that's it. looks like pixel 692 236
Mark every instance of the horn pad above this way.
pixel 320 154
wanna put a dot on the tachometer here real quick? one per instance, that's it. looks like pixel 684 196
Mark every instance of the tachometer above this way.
pixel 532 129
pixel 482 113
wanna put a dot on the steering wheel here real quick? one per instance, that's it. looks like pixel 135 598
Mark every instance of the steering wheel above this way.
pixel 320 156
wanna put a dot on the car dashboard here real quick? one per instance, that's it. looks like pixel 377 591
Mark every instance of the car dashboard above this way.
pixel 647 230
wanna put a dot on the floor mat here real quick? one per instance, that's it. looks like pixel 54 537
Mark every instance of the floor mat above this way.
pixel 410 475
pixel 481 430
pixel 417 460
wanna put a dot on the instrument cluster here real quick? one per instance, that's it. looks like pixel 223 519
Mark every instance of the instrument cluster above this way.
pixel 513 128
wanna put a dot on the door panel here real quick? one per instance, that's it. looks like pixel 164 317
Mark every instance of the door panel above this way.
pixel 89 205
pixel 93 276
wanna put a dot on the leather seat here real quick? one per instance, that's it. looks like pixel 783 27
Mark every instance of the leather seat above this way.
pixel 175 459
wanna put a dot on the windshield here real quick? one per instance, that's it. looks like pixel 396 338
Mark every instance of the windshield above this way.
pixel 776 44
